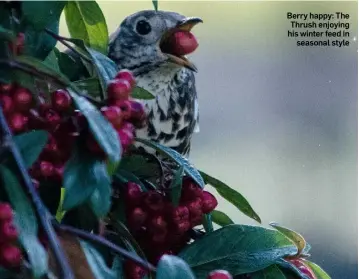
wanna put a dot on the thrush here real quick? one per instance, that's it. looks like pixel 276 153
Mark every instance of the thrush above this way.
pixel 141 45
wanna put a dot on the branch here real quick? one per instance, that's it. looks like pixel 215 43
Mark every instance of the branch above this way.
pixel 104 242
pixel 42 212
pixel 65 41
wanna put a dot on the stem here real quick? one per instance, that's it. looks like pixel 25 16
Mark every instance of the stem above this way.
pixel 65 41
pixel 42 212
pixel 100 240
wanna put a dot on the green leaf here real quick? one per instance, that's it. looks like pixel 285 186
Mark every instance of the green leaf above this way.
pixel 26 223
pixel 155 4
pixel 82 176
pixel 38 43
pixel 30 145
pixel 140 166
pixel 142 94
pixel 221 218
pixel 41 13
pixel 239 249
pixel 105 135
pixel 295 237
pixel 178 158
pixel 97 263
pixel 105 67
pixel 52 60
pixel 231 195
pixel 91 86
pixel 86 21
pixel 71 67
pixel 100 199
pixel 271 272
pixel 173 267
pixel 7 34
pixel 317 270
pixel 176 186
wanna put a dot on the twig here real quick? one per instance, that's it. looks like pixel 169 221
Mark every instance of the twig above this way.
pixel 42 212
pixel 65 41
pixel 104 242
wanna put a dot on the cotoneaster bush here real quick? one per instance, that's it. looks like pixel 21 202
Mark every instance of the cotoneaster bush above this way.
pixel 78 198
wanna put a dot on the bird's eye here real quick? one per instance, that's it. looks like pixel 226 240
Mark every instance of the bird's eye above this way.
pixel 143 27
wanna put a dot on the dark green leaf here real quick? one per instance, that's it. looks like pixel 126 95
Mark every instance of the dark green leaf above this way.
pixel 81 217
pixel 140 166
pixel 71 67
pixel 105 67
pixel 100 199
pixel 238 248
pixel 105 135
pixel 6 34
pixel 6 274
pixel 317 270
pixel 142 94
pixel 178 158
pixel 85 21
pixel 173 267
pixel 176 186
pixel 221 218
pixel 271 272
pixel 82 176
pixel 91 86
pixel 295 237
pixel 38 42
pixel 30 145
pixel 155 4
pixel 52 60
pixel 98 266
pixel 231 195
pixel 41 13
pixel 207 222
pixel 25 222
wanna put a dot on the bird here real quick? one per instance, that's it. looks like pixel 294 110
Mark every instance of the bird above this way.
pixel 138 45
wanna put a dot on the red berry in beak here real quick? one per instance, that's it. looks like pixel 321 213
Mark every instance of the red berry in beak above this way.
pixel 118 89
pixel 6 103
pixel 113 115
pixel 219 274
pixel 180 43
pixel 126 75
pixel 10 256
pixel 5 212
pixel 22 99
pixel 8 232
pixel 61 100
pixel 209 202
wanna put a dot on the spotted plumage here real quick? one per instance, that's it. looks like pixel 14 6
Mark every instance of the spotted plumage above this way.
pixel 136 45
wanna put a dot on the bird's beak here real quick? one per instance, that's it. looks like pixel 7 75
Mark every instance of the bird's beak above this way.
pixel 186 25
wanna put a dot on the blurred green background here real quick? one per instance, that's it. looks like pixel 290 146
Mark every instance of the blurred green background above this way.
pixel 278 122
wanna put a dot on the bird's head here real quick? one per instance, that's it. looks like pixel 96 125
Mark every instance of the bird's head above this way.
pixel 141 41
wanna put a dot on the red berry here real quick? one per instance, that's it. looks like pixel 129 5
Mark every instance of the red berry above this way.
pixel 133 193
pixel 219 274
pixel 8 232
pixel 182 226
pixel 126 75
pixel 134 271
pixel 195 212
pixel 61 100
pixel 46 169
pixel 209 202
pixel 125 107
pixel 18 122
pixel 137 218
pixel 5 212
pixel 59 173
pixel 153 201
pixel 180 43
pixel 20 43
pixel 113 114
pixel 190 190
pixel 126 138
pixel 119 89
pixel 179 214
pixel 157 224
pixel 6 103
pixel 5 88
pixel 10 256
pixel 22 99
pixel 138 115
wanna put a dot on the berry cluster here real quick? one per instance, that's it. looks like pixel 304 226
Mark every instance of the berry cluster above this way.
pixel 158 226
pixel 10 254
pixel 56 114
